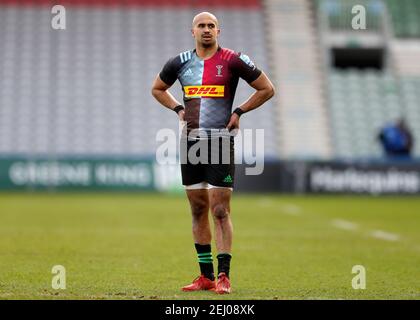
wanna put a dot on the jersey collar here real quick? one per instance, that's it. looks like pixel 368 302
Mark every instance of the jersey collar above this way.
pixel 219 48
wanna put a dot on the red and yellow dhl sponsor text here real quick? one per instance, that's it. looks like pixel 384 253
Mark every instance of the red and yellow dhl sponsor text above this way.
pixel 204 91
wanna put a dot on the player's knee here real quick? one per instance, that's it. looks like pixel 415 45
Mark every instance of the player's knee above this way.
pixel 220 212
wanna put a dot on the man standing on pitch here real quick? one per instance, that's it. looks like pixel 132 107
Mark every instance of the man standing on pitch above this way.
pixel 209 76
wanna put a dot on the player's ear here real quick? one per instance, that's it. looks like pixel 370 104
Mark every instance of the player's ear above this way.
pixel 192 33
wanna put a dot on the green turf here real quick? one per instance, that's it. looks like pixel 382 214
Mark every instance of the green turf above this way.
pixel 125 246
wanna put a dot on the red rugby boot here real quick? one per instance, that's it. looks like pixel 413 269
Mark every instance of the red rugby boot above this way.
pixel 200 283
pixel 223 284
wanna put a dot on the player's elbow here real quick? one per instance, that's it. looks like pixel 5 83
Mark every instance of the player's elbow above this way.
pixel 266 92
pixel 269 91
pixel 155 92
pixel 272 91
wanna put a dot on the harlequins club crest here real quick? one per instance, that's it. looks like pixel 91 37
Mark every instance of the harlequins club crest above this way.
pixel 219 70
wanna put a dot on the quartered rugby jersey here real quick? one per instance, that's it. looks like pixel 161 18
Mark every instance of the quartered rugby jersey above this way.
pixel 209 85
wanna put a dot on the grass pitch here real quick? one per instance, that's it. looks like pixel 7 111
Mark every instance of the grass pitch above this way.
pixel 125 246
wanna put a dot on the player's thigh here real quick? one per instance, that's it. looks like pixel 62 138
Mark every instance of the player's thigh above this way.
pixel 219 199
pixel 199 201
pixel 192 172
pixel 222 172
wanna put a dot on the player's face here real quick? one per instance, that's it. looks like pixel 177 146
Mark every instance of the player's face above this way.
pixel 205 32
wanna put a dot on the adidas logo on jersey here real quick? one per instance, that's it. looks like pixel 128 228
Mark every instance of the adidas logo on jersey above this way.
pixel 188 73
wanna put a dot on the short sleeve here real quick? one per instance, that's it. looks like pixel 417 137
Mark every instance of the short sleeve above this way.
pixel 169 73
pixel 243 67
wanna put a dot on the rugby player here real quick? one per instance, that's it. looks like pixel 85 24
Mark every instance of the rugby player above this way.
pixel 209 75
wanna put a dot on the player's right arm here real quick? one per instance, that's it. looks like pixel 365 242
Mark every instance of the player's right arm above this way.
pixel 165 98
pixel 163 81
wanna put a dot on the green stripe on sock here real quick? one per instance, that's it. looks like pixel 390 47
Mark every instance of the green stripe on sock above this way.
pixel 204 254
pixel 205 257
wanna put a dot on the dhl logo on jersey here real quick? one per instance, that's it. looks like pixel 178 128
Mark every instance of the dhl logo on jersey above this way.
pixel 204 91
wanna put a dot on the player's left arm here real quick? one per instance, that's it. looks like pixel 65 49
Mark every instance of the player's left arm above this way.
pixel 264 90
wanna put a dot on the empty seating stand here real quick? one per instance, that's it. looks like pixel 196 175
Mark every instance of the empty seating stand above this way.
pixel 405 16
pixel 361 102
pixel 86 89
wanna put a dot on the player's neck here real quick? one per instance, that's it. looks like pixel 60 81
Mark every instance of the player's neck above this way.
pixel 206 52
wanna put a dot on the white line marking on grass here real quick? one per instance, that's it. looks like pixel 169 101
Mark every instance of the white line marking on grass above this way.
pixel 344 224
pixel 291 209
pixel 379 234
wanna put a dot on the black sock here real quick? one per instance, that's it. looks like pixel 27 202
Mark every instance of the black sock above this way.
pixel 224 263
pixel 205 260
